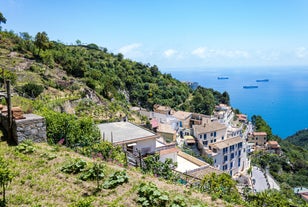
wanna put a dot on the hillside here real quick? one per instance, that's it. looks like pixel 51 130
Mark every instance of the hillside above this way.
pixel 88 80
pixel 39 181
pixel 300 138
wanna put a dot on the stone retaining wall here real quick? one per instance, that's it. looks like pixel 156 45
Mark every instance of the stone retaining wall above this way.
pixel 33 127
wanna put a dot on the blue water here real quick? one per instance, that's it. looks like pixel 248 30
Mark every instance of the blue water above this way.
pixel 282 102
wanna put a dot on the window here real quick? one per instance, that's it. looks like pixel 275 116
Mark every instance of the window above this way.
pixel 256 138
pixel 214 134
pixel 214 140
pixel 222 138
pixel 239 162
pixel 231 148
pixel 225 158
pixel 231 165
pixel 211 134
pixel 225 150
pixel 204 136
pixel 200 136
pixel 205 143
pixel 232 156
pixel 211 141
pixel 239 153
pixel 225 167
pixel 215 161
pixel 240 145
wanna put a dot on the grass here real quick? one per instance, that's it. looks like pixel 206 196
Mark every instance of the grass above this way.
pixel 38 181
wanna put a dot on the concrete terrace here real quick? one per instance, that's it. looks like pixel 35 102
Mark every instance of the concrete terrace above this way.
pixel 124 132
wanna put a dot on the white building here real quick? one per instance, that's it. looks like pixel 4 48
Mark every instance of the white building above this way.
pixel 132 137
pixel 208 133
pixel 229 155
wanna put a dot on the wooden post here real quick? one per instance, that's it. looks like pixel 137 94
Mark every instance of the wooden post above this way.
pixel 9 110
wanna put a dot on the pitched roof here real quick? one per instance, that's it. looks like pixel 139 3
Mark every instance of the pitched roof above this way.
pixel 165 128
pixel 168 151
pixel 226 143
pixel 124 132
pixel 259 133
pixel 209 127
pixel 182 115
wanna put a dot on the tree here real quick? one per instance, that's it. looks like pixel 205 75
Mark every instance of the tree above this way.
pixel 41 41
pixel 2 20
pixel 6 177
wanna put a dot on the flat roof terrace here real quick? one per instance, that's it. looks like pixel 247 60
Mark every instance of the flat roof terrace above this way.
pixel 124 132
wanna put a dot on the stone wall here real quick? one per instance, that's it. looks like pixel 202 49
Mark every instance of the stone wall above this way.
pixel 33 127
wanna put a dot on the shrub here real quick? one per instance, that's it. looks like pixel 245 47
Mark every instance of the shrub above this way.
pixel 74 166
pixel 117 178
pixel 32 90
pixel 95 172
pixel 25 147
pixel 150 195
pixel 6 177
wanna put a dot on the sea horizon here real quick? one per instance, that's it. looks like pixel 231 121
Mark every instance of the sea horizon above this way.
pixel 281 101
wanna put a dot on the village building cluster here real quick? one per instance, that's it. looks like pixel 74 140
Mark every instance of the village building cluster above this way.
pixel 224 137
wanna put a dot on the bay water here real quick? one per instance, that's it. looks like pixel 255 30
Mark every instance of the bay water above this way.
pixel 282 101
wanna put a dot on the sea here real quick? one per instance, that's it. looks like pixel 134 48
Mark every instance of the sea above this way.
pixel 282 101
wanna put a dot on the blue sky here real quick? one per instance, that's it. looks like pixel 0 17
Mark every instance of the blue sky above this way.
pixel 174 33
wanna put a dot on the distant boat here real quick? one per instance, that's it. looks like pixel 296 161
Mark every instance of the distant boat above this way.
pixel 248 87
pixel 262 80
pixel 222 77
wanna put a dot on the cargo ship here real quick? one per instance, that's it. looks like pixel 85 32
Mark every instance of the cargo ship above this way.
pixel 262 80
pixel 222 77
pixel 248 87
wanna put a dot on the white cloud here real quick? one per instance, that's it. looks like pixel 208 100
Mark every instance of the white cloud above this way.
pixel 204 52
pixel 199 52
pixel 170 52
pixel 130 49
pixel 301 52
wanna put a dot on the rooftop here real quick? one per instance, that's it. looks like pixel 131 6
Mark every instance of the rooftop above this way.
pixel 185 163
pixel 168 151
pixel 226 143
pixel 165 128
pixel 182 115
pixel 124 132
pixel 204 170
pixel 209 127
pixel 190 139
pixel 259 133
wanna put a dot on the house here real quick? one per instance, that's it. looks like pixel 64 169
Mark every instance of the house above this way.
pixel 162 109
pixel 197 119
pixel 130 136
pixel 274 147
pixel 184 118
pixel 229 155
pixel 258 138
pixel 242 117
pixel 167 132
pixel 224 113
pixel 166 150
pixel 189 140
pixel 208 133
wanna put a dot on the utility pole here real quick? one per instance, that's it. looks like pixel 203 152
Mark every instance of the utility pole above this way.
pixel 9 110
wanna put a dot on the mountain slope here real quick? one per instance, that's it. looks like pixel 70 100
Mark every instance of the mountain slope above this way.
pixel 38 181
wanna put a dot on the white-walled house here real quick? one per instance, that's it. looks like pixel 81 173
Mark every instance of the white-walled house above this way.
pixel 208 133
pixel 132 137
pixel 229 155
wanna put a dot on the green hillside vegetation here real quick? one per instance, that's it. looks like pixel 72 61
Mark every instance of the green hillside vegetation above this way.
pixel 45 175
pixel 300 138
pixel 117 82
pixel 289 169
